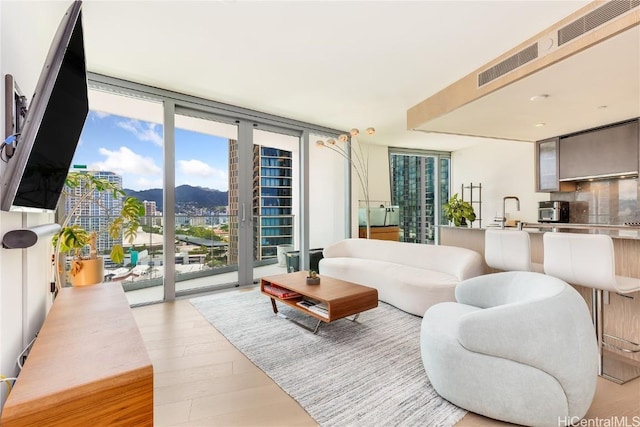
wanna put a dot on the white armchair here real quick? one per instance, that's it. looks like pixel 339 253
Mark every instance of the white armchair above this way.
pixel 517 346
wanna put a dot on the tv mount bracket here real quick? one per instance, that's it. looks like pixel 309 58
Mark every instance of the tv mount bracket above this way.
pixel 15 111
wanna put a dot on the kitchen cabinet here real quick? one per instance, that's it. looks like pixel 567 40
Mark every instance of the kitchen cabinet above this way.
pixel 605 152
pixel 547 167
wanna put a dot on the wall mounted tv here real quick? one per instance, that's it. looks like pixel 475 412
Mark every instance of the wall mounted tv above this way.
pixel 34 176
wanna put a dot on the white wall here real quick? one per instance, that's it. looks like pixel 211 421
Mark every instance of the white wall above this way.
pixel 504 168
pixel 327 195
pixel 27 29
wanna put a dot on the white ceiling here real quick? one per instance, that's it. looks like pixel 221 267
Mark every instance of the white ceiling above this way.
pixel 595 87
pixel 335 63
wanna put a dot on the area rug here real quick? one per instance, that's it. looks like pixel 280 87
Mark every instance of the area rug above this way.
pixel 364 373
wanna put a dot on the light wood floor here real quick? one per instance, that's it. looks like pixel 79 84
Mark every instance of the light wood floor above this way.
pixel 202 380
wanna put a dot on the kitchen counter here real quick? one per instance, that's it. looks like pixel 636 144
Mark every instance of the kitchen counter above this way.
pixel 626 241
pixel 622 317
pixel 615 231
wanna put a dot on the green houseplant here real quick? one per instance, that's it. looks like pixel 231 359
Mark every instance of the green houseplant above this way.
pixel 459 211
pixel 313 278
pixel 72 238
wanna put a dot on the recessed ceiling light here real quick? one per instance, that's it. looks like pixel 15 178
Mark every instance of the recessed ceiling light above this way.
pixel 539 125
pixel 541 97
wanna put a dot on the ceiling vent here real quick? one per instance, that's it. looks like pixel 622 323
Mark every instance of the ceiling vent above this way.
pixel 594 19
pixel 511 63
pixel 580 26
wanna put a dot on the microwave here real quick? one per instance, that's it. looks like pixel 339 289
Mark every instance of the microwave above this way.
pixel 553 211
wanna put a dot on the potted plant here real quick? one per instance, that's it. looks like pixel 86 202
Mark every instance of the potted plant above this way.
pixel 313 278
pixel 72 238
pixel 459 211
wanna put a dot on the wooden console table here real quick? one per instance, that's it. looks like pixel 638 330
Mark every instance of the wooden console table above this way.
pixel 88 366
pixel 381 233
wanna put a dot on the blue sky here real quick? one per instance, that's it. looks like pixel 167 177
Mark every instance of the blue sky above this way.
pixel 133 148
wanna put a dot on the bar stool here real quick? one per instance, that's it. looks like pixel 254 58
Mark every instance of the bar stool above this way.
pixel 588 260
pixel 509 250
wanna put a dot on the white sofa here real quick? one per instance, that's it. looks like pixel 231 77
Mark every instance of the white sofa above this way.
pixel 409 276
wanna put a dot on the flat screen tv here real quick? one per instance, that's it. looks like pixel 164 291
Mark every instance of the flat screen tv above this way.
pixel 34 176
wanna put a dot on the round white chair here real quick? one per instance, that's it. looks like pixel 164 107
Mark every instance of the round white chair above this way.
pixel 588 260
pixel 516 346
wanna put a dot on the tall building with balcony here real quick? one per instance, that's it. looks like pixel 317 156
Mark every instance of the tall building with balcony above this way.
pixel 232 256
pixel 272 200
pixel 94 213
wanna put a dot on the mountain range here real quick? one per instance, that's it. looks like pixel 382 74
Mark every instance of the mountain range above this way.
pixel 186 195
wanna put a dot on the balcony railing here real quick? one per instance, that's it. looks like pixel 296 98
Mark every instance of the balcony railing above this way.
pixel 205 250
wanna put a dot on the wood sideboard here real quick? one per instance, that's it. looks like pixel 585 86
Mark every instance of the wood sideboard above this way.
pixel 381 233
pixel 88 366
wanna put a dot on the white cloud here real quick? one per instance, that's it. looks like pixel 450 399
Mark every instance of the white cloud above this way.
pixel 100 114
pixel 125 161
pixel 144 131
pixel 199 168
pixel 198 173
pixel 146 183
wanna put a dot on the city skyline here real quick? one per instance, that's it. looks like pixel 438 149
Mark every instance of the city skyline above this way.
pixel 133 149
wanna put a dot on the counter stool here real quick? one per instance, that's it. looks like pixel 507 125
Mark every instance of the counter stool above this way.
pixel 588 260
pixel 509 250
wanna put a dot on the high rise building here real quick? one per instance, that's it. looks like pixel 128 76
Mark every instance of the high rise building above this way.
pixel 419 186
pixel 272 200
pixel 94 213
pixel 232 195
pixel 151 217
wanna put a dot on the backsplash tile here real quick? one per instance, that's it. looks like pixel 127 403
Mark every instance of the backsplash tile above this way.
pixel 613 202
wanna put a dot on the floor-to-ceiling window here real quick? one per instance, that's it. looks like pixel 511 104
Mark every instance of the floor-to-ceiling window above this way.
pixel 420 185
pixel 276 197
pixel 122 142
pixel 205 165
pixel 224 188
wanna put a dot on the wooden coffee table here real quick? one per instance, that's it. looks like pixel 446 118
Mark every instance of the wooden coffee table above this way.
pixel 341 298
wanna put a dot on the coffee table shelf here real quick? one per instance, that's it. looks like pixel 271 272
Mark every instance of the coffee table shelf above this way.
pixel 342 298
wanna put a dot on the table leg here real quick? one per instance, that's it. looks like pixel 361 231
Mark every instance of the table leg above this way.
pixel 303 326
pixel 274 306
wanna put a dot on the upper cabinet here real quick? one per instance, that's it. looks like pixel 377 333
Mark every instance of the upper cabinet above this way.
pixel 605 152
pixel 547 165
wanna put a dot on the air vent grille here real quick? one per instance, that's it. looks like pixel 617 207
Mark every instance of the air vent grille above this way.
pixel 511 63
pixel 594 19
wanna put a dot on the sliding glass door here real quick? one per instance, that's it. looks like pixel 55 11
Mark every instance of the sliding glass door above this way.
pixel 275 203
pixel 206 244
